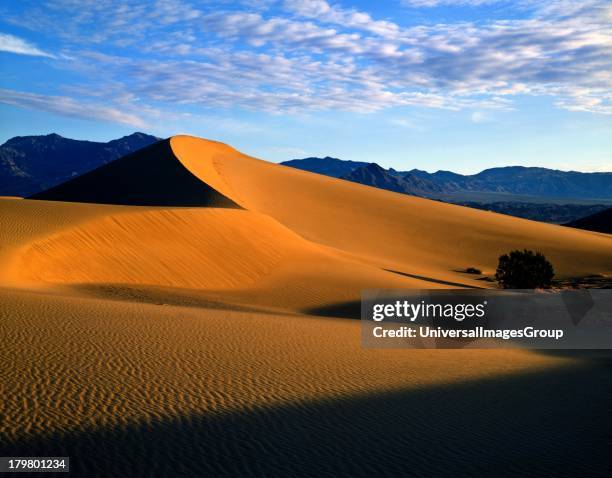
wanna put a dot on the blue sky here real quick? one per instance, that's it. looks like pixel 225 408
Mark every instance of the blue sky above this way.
pixel 434 84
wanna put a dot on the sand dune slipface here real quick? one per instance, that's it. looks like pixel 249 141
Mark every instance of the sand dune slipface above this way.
pixel 151 176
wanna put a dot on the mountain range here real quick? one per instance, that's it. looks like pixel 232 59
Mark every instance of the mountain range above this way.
pixel 29 164
pixel 538 194
pixel 516 180
pixel 334 167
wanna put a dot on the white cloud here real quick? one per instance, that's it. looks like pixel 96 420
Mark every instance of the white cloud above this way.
pixel 19 46
pixel 586 103
pixel 69 107
pixel 350 18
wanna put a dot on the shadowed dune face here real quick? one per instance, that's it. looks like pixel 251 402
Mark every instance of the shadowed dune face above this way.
pixel 151 176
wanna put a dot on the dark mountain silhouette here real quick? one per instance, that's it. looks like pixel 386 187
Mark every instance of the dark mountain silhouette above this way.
pixel 599 222
pixel 29 164
pixel 328 166
pixel 374 175
pixel 518 180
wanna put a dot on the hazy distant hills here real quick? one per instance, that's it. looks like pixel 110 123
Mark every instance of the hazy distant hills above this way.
pixel 517 180
pixel 29 164
pixel 530 181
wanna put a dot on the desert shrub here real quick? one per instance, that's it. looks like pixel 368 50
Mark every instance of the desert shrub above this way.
pixel 524 270
pixel 473 270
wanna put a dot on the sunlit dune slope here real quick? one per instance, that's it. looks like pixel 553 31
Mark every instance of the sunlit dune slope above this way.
pixel 23 222
pixel 201 248
pixel 234 255
pixel 193 248
pixel 390 230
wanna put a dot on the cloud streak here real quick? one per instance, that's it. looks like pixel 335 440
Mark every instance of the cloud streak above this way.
pixel 69 107
pixel 19 46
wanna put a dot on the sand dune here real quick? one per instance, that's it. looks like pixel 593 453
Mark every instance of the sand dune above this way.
pixel 284 238
pixel 161 310
pixel 384 229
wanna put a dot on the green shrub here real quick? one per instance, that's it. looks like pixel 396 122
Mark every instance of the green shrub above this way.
pixel 524 270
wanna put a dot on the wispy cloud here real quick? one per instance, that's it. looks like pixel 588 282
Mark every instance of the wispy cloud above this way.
pixel 346 17
pixel 69 107
pixel 19 46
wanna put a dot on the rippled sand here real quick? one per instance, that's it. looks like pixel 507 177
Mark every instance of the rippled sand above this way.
pixel 126 387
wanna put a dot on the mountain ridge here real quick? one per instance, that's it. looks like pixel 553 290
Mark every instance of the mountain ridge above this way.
pixel 30 164
pixel 521 180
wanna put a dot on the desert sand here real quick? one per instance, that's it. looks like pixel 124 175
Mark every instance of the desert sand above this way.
pixel 178 312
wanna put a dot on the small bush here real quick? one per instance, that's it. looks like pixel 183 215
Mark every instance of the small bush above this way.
pixel 473 270
pixel 524 270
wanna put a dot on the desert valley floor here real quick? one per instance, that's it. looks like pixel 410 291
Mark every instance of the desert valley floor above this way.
pixel 188 310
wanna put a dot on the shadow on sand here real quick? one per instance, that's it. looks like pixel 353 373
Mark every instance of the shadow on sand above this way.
pixel 339 310
pixel 435 281
pixel 545 423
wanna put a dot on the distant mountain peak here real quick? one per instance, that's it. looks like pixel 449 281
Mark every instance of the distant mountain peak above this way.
pixel 29 164
pixel 374 175
pixel 374 167
pixel 136 138
pixel 328 166
pixel 138 134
